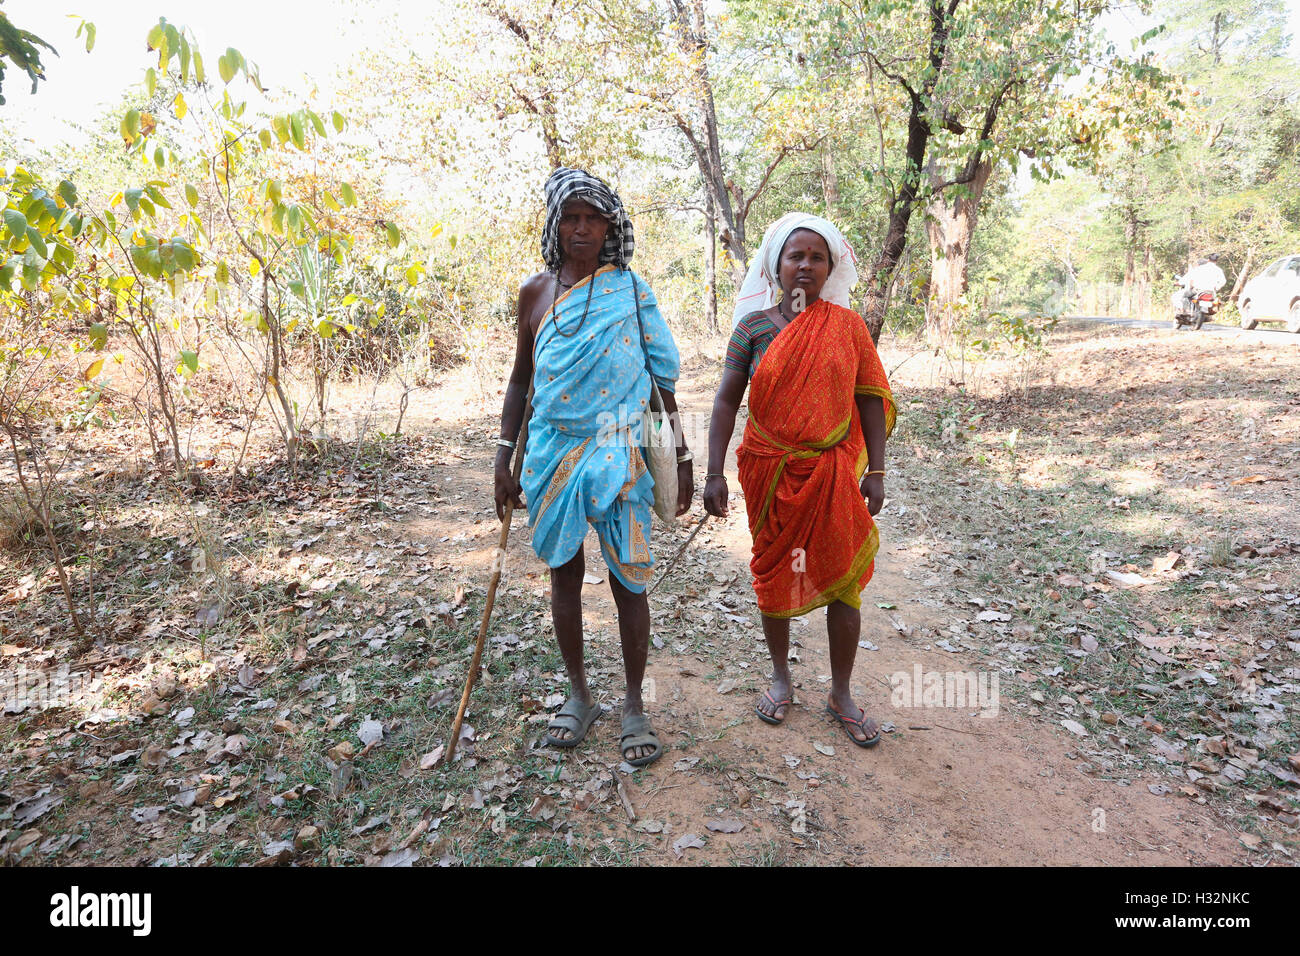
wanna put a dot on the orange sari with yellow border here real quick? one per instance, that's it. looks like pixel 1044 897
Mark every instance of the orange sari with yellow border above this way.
pixel 802 458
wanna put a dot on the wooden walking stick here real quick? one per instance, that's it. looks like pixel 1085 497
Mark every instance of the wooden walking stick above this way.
pixel 498 564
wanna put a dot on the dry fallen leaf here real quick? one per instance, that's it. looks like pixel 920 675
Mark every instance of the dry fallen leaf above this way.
pixel 371 732
pixel 1074 727
pixel 725 826
pixel 431 759
pixel 1167 563
pixel 687 842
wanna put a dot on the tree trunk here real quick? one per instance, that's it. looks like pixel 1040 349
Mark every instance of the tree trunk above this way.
pixel 1144 303
pixel 1242 275
pixel 830 184
pixel 710 266
pixel 950 227
pixel 903 202
pixel 706 143
pixel 1130 259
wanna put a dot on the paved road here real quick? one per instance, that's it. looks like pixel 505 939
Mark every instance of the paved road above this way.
pixel 1272 334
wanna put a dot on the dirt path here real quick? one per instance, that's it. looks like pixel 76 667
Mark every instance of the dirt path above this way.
pixel 1110 533
pixel 945 785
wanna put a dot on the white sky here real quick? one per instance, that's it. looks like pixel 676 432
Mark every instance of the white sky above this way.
pixel 290 41
pixel 287 40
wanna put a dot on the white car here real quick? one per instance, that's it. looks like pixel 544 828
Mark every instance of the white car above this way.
pixel 1273 295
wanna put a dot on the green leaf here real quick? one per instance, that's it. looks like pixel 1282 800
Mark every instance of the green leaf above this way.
pixel 131 125
pixel 264 137
pixel 183 254
pixel 190 360
pixel 349 197
pixel 150 80
pixel 281 127
pixel 191 195
pixel 316 123
pixel 331 203
pixel 38 242
pixel 325 328
pixel 68 192
pixel 274 190
pixel 16 223
pixel 7 271
pixel 296 287
pixel 155 36
pixel 159 157
pixel 394 236
pixel 296 131
pixel 31 275
pixel 226 69
pixel 199 74
pixel 90 34
pixel 223 273
pixel 338 121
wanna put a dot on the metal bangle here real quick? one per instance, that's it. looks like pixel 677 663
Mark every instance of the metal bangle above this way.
pixel 870 473
pixel 716 474
pixel 688 456
pixel 506 442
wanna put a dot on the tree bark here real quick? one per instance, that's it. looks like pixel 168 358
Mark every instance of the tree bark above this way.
pixel 830 184
pixel 903 202
pixel 1130 259
pixel 710 266
pixel 706 144
pixel 950 226
pixel 1242 275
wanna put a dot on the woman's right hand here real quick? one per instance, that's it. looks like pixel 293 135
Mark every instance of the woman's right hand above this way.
pixel 506 489
pixel 715 496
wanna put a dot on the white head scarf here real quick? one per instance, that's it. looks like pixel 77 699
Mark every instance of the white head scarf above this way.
pixel 760 288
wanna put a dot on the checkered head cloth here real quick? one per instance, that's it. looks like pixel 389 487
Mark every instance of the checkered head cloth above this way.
pixel 565 184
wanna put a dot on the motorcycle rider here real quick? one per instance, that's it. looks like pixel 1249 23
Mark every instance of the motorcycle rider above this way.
pixel 1205 276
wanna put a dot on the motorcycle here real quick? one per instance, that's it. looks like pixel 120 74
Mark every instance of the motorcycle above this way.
pixel 1204 305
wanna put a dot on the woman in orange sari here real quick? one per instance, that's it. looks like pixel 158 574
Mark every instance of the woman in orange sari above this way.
pixel 813 453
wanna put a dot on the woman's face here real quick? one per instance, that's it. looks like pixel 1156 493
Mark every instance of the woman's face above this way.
pixel 582 230
pixel 803 268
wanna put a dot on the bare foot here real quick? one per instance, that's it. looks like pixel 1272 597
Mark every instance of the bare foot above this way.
pixel 854 719
pixel 777 700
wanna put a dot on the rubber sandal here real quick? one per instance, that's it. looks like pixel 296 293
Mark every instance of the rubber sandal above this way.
pixel 576 719
pixel 637 732
pixel 860 723
pixel 768 718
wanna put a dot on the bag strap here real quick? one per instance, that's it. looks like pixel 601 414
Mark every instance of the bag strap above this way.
pixel 656 399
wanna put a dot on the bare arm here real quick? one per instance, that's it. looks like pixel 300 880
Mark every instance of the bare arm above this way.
pixel 512 413
pixel 721 426
pixel 871 412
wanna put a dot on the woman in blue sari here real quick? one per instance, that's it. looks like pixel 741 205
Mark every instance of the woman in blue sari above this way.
pixel 588 329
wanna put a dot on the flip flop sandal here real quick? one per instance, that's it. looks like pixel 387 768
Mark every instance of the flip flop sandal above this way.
pixel 860 723
pixel 768 718
pixel 637 732
pixel 576 719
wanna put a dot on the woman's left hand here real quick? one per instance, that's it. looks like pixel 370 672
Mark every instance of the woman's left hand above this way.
pixel 685 487
pixel 873 489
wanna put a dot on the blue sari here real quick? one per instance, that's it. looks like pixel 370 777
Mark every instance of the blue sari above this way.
pixel 590 386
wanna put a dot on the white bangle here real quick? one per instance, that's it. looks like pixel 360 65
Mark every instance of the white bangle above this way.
pixel 688 456
pixel 506 442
